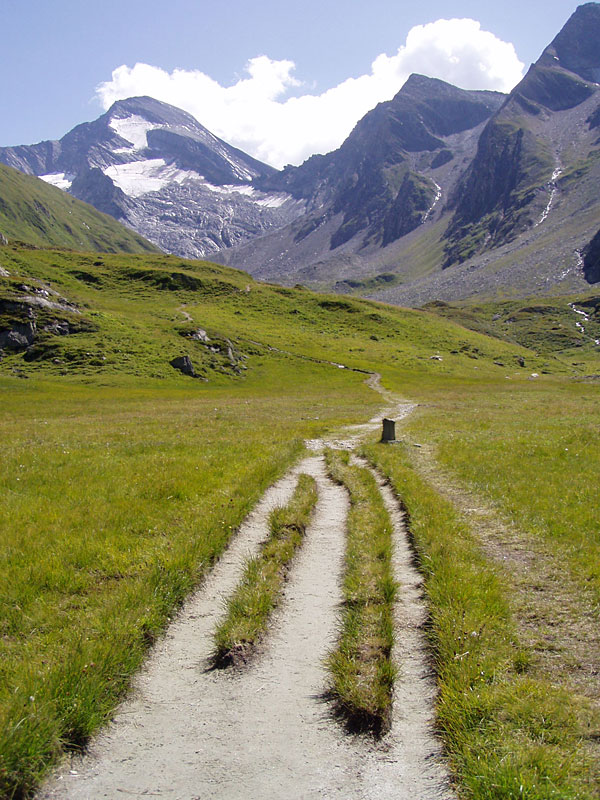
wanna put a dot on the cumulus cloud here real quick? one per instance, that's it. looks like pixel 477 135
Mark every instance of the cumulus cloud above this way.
pixel 260 115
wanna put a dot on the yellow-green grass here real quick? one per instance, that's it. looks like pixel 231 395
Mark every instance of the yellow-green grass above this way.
pixel 361 665
pixel 508 733
pixel 106 524
pixel 253 601
pixel 115 501
pixel 546 325
pixel 533 449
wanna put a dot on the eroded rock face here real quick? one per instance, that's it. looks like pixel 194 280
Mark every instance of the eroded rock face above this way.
pixel 519 157
pixel 29 322
pixel 365 179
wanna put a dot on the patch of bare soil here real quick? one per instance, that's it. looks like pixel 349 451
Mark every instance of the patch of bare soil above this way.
pixel 557 619
pixel 348 437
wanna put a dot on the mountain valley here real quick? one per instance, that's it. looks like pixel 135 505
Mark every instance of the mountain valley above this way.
pixel 191 446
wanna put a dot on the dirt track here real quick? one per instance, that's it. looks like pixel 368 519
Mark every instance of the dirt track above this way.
pixel 264 731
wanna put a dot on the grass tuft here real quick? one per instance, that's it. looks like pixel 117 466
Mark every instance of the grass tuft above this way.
pixel 249 608
pixel 361 665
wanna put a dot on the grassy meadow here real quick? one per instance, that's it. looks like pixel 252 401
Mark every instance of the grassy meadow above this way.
pixel 116 500
pixel 533 450
pixel 123 480
pixel 508 732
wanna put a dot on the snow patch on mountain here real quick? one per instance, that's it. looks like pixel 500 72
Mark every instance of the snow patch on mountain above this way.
pixel 231 188
pixel 273 200
pixel 151 175
pixel 133 129
pixel 240 170
pixel 62 180
pixel 438 197
pixel 553 190
pixel 261 199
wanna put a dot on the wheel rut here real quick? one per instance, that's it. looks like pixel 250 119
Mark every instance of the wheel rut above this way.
pixel 187 732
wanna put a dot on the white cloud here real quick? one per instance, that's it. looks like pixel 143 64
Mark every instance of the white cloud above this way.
pixel 257 114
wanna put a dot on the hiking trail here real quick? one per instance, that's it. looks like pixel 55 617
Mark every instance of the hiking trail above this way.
pixel 263 730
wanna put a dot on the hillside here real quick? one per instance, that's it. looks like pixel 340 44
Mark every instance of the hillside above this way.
pixel 72 314
pixel 31 211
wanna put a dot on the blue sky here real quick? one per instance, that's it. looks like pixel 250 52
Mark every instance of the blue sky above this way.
pixel 56 54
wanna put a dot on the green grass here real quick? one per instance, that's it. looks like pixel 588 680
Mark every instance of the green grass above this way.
pixel 361 665
pixel 124 479
pixel 34 212
pixel 533 449
pixel 544 325
pixel 253 601
pixel 508 733
pixel 116 501
pixel 135 311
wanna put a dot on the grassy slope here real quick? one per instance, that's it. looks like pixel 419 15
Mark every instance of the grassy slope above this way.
pixel 547 325
pixel 124 478
pixel 139 308
pixel 42 215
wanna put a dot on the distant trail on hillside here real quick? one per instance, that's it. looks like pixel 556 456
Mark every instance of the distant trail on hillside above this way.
pixel 264 730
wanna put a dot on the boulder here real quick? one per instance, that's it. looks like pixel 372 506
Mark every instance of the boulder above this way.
pixel 19 337
pixel 184 365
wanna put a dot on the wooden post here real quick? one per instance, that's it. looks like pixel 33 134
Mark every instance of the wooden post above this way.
pixel 389 431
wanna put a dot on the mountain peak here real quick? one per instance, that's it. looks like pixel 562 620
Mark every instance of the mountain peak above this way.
pixel 155 111
pixel 419 86
pixel 575 48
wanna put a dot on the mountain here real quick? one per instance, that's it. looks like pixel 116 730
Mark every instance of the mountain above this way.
pixel 439 193
pixel 524 216
pixel 386 179
pixel 443 193
pixel 532 142
pixel 156 168
pixel 43 216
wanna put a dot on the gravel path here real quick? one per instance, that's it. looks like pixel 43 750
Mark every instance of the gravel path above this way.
pixel 264 731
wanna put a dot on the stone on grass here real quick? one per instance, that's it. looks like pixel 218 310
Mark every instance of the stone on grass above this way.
pixel 184 365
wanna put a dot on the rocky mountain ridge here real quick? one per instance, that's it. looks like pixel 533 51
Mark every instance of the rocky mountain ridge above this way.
pixel 388 178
